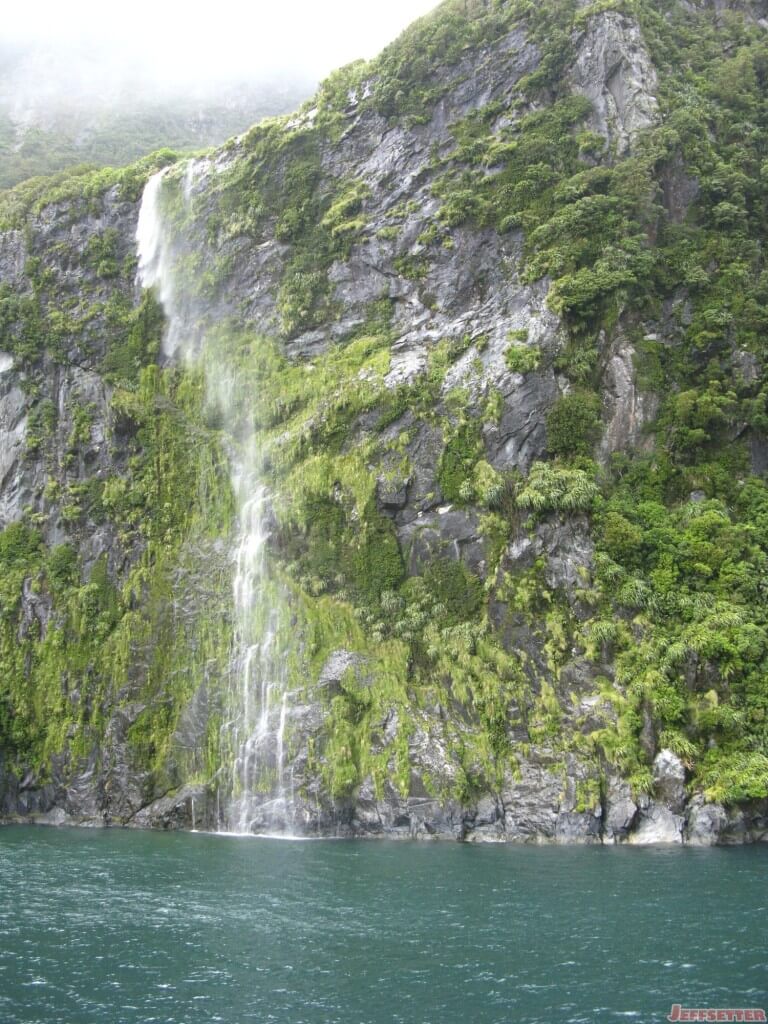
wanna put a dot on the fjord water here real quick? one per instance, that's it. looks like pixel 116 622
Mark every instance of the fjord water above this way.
pixel 132 927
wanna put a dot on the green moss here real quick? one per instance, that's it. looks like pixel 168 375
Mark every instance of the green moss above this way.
pixel 736 778
pixel 368 695
pixel 622 539
pixel 101 253
pixel 21 332
pixel 62 567
pixel 455 589
pixel 344 217
pixel 414 268
pixel 376 561
pixel 82 187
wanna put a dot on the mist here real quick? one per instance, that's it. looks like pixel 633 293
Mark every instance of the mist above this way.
pixel 86 49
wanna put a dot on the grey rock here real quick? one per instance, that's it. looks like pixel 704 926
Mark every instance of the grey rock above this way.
pixel 446 533
pixel 520 438
pixel 626 410
pixel 705 822
pixel 564 544
pixel 669 780
pixel 532 803
pixel 485 822
pixel 14 488
pixel 335 669
pixel 569 551
pixel 432 818
pixel 424 451
pixel 125 790
pixel 657 825
pixel 193 721
pixel 758 445
pixel 746 824
pixel 648 733
pixel 12 258
pixel 621 811
pixel 680 190
pixel 747 364
pixel 577 827
pixel 189 808
pixel 57 816
pixel 575 822
pixel 614 71
pixel 392 494
pixel 24 798
pixel 83 793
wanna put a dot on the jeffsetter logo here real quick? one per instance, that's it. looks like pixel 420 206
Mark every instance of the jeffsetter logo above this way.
pixel 685 1013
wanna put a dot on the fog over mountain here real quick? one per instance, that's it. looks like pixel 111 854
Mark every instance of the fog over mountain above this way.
pixel 174 43
pixel 80 85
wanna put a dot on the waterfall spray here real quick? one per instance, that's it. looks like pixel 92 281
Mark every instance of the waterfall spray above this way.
pixel 257 711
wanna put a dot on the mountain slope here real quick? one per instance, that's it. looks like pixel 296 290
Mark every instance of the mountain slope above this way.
pixel 65 106
pixel 499 301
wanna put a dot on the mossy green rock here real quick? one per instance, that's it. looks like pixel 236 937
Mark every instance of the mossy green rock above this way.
pixel 497 303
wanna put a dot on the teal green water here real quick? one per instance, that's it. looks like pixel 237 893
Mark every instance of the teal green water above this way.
pixel 118 926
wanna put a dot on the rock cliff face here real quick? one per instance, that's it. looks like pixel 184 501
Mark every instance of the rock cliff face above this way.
pixel 498 302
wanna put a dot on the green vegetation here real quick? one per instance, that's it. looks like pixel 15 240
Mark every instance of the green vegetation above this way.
pixel 97 137
pixel 462 451
pixel 669 603
pixel 522 358
pixel 95 642
pixel 602 234
pixel 688 580
pixel 277 188
pixel 82 188
pixel 552 488
pixel 585 227
pixel 573 424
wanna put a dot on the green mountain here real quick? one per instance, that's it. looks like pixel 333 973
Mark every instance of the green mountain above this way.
pixel 476 341
pixel 63 107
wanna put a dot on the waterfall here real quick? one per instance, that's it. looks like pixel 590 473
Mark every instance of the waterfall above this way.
pixel 251 795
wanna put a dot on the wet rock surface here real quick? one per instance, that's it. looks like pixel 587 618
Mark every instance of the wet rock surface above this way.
pixel 470 294
pixel 615 72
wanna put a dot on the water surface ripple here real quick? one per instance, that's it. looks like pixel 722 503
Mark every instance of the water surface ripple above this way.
pixel 120 926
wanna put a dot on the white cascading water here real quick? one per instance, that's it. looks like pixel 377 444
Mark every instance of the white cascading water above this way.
pixel 256 797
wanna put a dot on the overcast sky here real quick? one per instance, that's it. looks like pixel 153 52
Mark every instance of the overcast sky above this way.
pixel 178 41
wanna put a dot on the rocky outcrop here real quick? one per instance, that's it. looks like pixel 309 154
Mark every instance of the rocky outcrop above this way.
pixel 620 812
pixel 13 431
pixel 627 410
pixel 461 289
pixel 540 803
pixel 615 72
